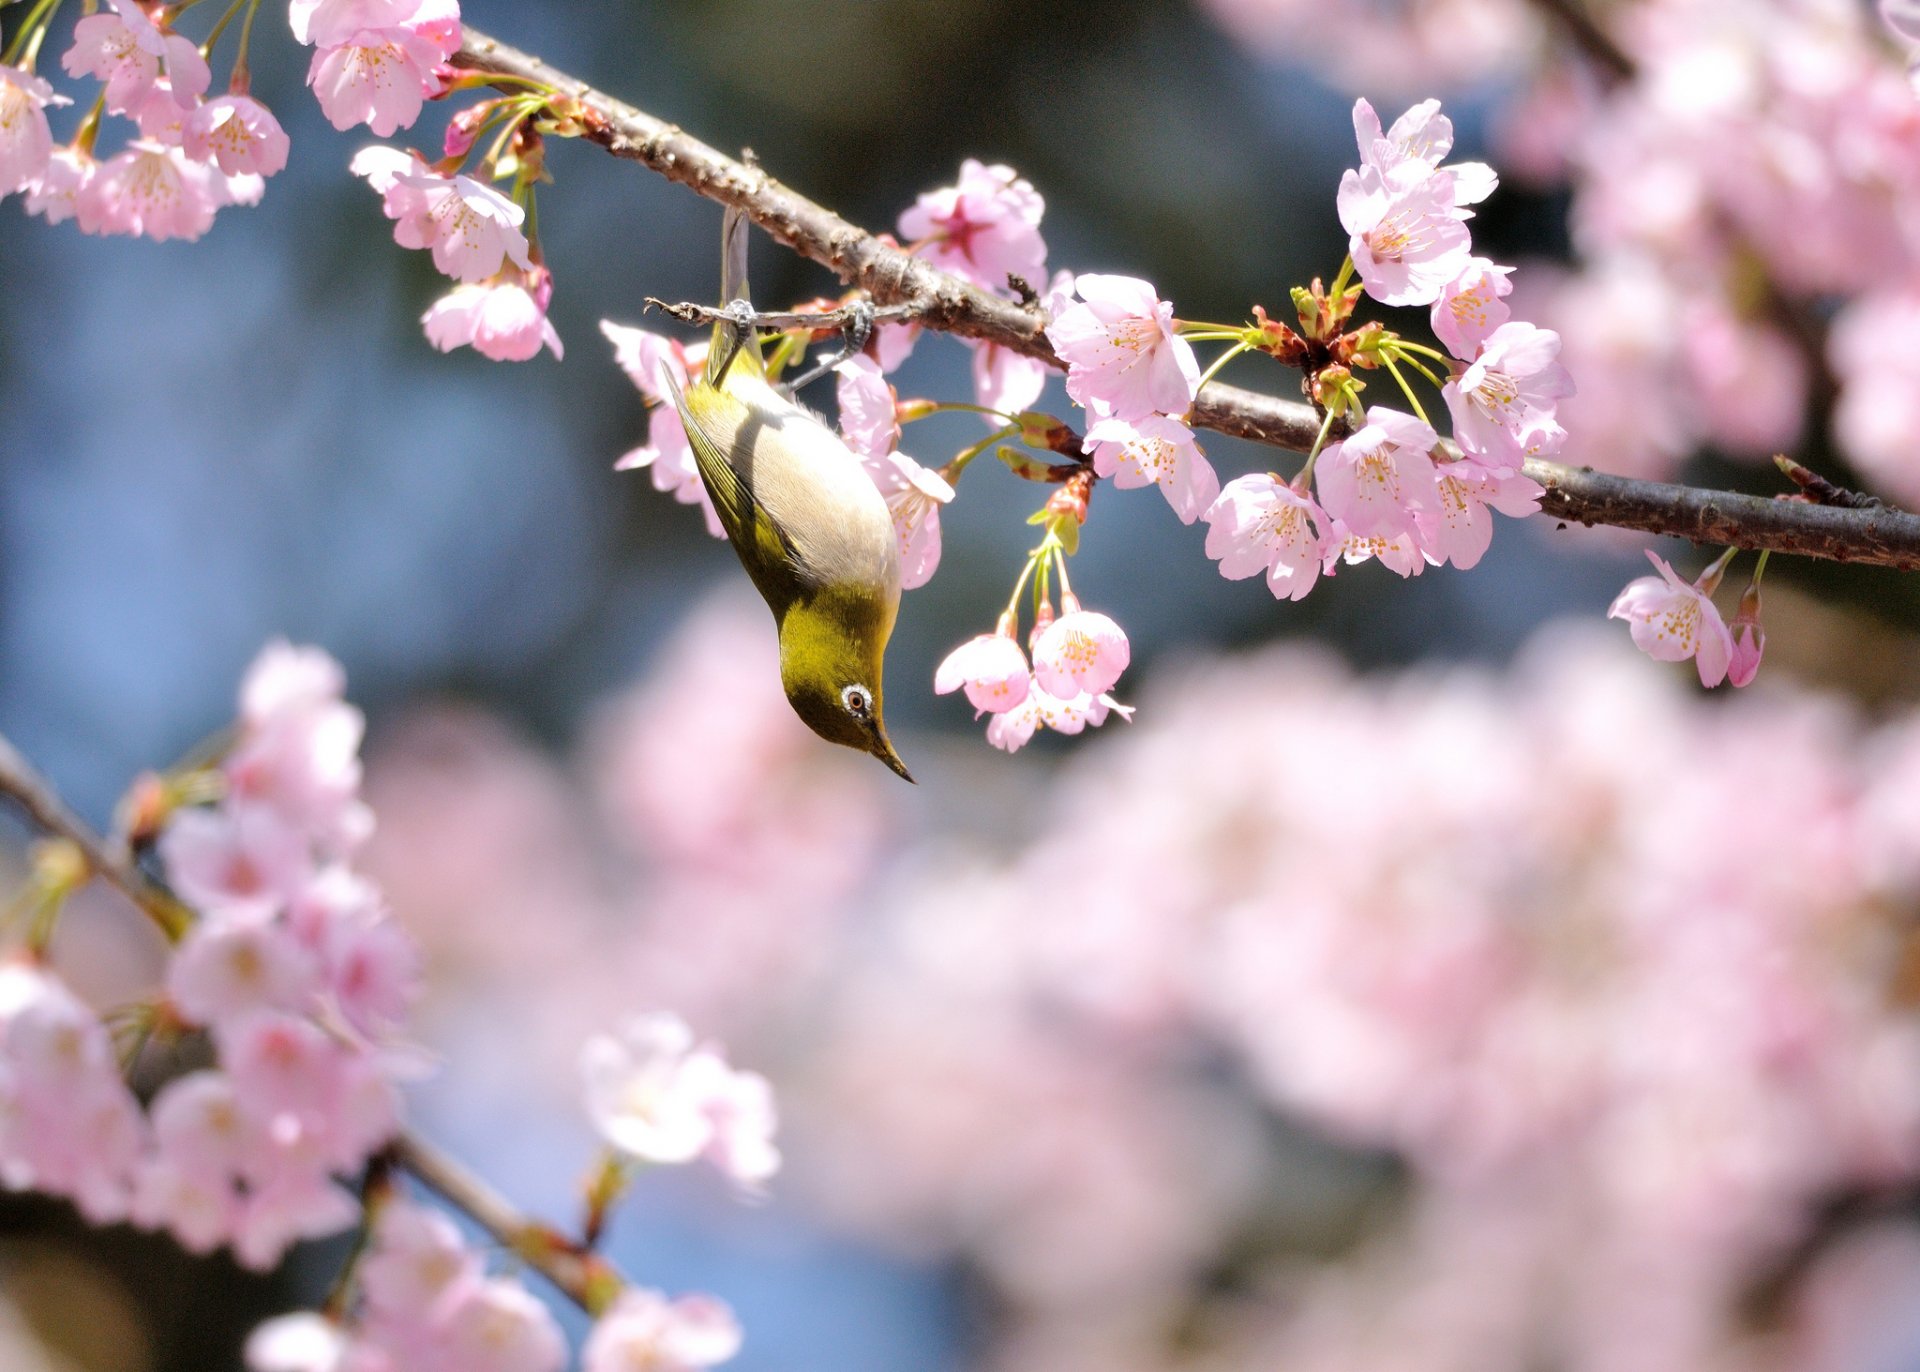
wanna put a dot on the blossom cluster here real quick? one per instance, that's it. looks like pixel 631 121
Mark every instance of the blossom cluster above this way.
pixel 428 1305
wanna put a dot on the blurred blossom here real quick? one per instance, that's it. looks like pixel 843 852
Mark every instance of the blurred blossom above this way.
pixel 1406 45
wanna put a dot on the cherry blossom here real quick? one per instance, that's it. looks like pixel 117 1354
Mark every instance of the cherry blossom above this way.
pixel 472 230
pixel 1749 639
pixel 645 1330
pixel 656 365
pixel 239 133
pixel 1472 306
pixel 1261 524
pixel 991 668
pixel 1376 479
pixel 26 143
pixel 328 23
pixel 504 318
pixel 231 969
pixel 1083 652
pixel 1155 450
pixel 128 53
pixel 1406 239
pixel 1503 406
pixel 1458 526
pixel 914 494
pixel 241 861
pixel 1672 620
pixel 1004 380
pixel 1420 138
pixel 56 192
pixel 985 229
pixel 379 77
pixel 149 190
pixel 1399 553
pixel 1122 354
pixel 1012 730
pixel 300 1342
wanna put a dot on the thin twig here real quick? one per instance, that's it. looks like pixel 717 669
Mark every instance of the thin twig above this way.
pixel 1884 537
pixel 1613 61
pixel 587 1280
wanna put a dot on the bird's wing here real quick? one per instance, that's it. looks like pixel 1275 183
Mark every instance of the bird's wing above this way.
pixel 707 415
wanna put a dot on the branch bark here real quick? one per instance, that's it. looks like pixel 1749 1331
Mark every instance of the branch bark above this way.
pixel 1884 537
pixel 586 1279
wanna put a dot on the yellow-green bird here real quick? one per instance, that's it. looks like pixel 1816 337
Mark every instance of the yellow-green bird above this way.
pixel 808 523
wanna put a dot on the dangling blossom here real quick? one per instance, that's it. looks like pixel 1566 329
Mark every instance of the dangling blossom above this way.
pixel 645 1330
pixel 26 142
pixel 1419 139
pixel 300 1342
pixel 1672 621
pixel 239 133
pixel 1376 479
pixel 1155 450
pixel 657 366
pixel 1005 381
pixel 1472 306
pixel 1262 524
pixel 472 230
pixel 1503 405
pixel 504 318
pixel 1081 653
pixel 1012 730
pixel 656 1095
pixel 1399 554
pixel 298 752
pixel 55 194
pixel 1122 354
pixel 1749 638
pixel 1458 526
pixel 150 190
pixel 914 494
pixel 991 668
pixel 369 69
pixel 984 229
pixel 127 52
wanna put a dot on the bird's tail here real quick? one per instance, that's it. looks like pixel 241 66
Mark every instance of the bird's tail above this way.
pixel 733 346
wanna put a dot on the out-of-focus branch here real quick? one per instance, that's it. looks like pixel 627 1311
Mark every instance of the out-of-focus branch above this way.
pixel 1607 56
pixel 584 1278
pixel 1884 537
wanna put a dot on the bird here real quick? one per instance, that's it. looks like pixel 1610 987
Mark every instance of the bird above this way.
pixel 811 529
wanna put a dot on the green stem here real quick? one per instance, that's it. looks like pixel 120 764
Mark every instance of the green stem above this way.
pixel 1434 353
pixel 34 24
pixel 1209 334
pixel 959 407
pixel 1013 601
pixel 1760 567
pixel 1340 281
pixel 1194 328
pixel 1405 389
pixel 966 455
pixel 1219 362
pixel 242 77
pixel 220 27
pixel 1421 367
pixel 1305 475
pixel 1060 561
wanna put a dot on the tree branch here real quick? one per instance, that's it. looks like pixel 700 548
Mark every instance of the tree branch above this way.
pixel 586 1279
pixel 1884 537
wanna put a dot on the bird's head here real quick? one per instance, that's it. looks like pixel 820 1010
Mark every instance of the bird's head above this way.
pixel 831 650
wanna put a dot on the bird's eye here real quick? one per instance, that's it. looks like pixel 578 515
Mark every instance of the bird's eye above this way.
pixel 858 700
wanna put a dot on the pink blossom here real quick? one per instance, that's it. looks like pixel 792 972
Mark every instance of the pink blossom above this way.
pixel 1406 237
pixel 504 318
pixel 1011 730
pixel 1458 526
pixel 1399 553
pixel 740 1110
pixel 239 133
pixel 1376 479
pixel 418 1267
pixel 55 194
pixel 1672 621
pixel 380 78
pixel 238 861
pixel 502 1327
pixel 1420 138
pixel 1874 350
pixel 1156 450
pixel 1122 354
pixel 984 229
pixel 1261 524
pixel 298 754
pixel 1472 306
pixel 990 668
pixel 372 970
pixel 1004 380
pixel 656 364
pixel 300 1342
pixel 914 494
pixel 285 1211
pixel 1083 652
pixel 228 969
pixel 127 52
pixel 26 142
pixel 328 23
pixel 644 1330
pixel 1503 406
pixel 149 190
pixel 1749 639
pixel 1748 378
pixel 472 230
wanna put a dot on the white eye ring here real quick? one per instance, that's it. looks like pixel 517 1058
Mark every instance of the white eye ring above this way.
pixel 858 700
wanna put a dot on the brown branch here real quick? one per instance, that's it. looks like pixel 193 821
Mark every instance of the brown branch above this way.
pixel 1884 537
pixel 1612 61
pixel 584 1278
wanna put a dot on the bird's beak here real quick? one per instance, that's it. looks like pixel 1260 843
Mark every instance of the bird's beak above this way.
pixel 883 750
